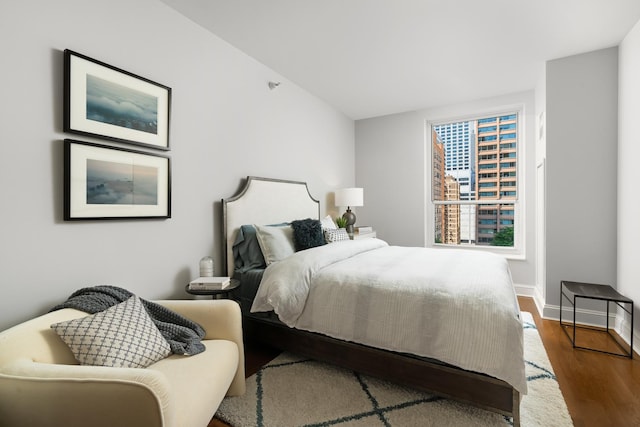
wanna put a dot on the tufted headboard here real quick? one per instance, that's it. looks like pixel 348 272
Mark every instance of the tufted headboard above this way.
pixel 264 201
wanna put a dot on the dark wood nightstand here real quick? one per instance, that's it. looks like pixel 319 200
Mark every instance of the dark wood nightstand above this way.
pixel 215 293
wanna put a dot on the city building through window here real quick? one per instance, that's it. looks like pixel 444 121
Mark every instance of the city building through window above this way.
pixel 474 181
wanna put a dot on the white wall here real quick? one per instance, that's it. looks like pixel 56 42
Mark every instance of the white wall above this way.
pixel 628 156
pixel 541 184
pixel 581 164
pixel 225 124
pixel 390 165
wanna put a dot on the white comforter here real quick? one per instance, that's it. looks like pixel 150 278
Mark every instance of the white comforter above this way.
pixel 457 306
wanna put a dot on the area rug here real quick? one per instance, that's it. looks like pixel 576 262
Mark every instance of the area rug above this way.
pixel 292 391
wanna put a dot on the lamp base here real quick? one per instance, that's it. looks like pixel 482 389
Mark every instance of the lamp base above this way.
pixel 351 220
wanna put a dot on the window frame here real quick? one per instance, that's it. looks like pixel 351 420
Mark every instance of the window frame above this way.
pixel 517 251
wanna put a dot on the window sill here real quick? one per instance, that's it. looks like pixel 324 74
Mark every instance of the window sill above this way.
pixel 508 253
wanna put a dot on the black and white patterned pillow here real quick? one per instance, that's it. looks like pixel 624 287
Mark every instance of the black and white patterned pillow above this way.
pixel 336 235
pixel 122 336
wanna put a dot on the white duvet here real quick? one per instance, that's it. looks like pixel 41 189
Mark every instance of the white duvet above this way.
pixel 457 306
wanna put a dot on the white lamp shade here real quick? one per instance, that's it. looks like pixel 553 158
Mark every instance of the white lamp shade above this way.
pixel 350 197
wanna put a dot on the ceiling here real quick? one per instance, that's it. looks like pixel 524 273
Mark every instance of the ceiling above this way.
pixel 370 58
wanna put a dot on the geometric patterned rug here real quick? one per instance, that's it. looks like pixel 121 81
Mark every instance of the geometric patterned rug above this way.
pixel 292 391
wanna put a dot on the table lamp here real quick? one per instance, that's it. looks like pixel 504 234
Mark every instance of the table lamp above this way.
pixel 349 197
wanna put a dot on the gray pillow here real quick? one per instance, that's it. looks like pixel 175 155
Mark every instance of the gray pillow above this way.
pixel 275 242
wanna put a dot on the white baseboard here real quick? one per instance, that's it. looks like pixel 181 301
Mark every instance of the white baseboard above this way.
pixel 532 292
pixel 524 290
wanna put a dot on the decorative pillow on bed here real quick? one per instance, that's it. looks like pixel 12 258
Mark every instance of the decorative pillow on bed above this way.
pixel 328 224
pixel 336 235
pixel 122 336
pixel 275 242
pixel 307 233
pixel 246 250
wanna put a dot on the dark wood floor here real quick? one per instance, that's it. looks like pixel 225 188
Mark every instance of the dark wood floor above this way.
pixel 600 389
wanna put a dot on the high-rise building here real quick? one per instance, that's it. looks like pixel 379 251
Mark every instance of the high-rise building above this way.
pixel 459 142
pixel 451 212
pixel 496 142
pixel 437 184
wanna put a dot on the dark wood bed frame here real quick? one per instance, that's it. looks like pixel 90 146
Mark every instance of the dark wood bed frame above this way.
pixel 445 380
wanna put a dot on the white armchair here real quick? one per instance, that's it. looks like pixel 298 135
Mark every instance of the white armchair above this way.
pixel 42 384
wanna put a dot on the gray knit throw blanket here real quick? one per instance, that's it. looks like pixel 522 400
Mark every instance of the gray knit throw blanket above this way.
pixel 183 335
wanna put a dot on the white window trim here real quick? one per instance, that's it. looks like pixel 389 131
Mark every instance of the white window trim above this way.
pixel 517 252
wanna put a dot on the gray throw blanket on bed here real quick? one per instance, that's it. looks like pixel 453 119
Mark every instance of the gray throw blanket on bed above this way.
pixel 183 335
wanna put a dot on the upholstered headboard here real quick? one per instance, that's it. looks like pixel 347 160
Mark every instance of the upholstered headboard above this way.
pixel 265 201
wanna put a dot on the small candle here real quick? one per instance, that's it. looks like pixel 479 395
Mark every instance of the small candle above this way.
pixel 206 267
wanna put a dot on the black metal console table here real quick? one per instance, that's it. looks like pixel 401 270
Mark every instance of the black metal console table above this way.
pixel 595 292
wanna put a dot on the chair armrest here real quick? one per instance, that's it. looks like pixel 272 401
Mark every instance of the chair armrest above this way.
pixel 34 393
pixel 221 319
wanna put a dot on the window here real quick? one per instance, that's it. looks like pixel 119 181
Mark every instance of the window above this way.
pixel 487 221
pixel 477 197
pixel 487 194
pixel 487 129
pixel 487 138
pixel 487 175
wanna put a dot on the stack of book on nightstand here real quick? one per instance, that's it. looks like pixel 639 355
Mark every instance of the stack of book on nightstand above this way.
pixel 364 229
pixel 209 283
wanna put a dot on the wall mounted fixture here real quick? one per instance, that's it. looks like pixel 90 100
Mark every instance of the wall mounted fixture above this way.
pixel 273 85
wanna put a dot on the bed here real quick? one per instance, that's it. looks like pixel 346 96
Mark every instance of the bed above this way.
pixel 451 337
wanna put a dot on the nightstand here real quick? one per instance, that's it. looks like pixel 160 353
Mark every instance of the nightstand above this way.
pixel 215 293
pixel 572 291
pixel 369 235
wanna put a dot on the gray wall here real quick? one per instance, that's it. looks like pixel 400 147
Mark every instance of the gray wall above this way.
pixel 226 124
pixel 628 155
pixel 580 118
pixel 581 166
pixel 391 155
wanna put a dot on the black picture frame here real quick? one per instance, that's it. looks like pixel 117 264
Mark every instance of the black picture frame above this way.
pixel 108 102
pixel 103 182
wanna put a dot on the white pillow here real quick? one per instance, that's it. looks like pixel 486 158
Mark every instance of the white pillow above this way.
pixel 276 242
pixel 122 336
pixel 328 224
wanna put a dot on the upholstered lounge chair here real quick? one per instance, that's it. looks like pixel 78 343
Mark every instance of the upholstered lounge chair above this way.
pixel 42 384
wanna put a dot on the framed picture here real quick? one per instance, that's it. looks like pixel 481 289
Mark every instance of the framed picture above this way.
pixel 102 182
pixel 101 100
